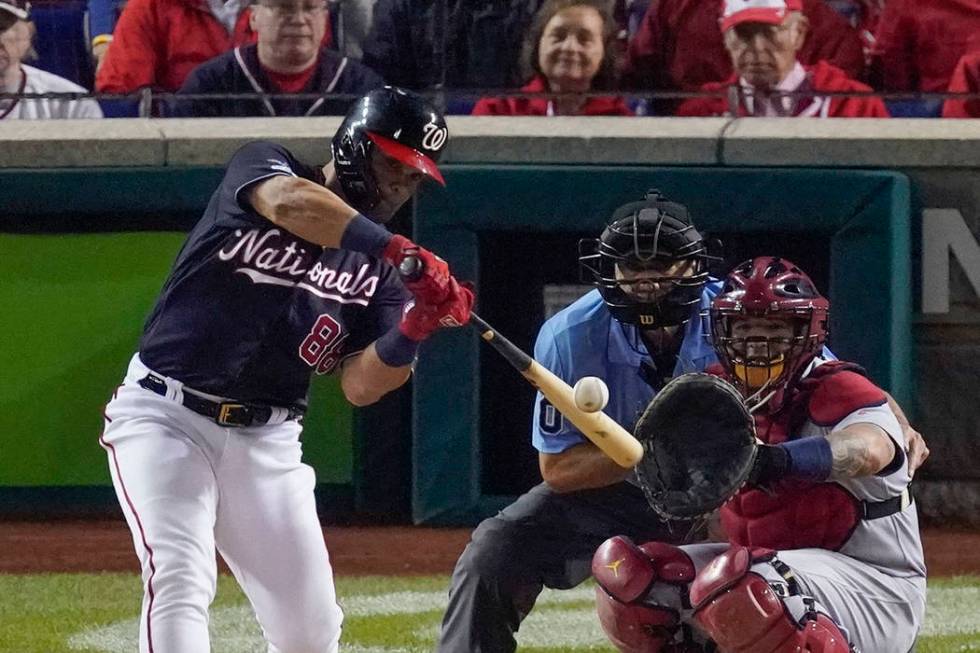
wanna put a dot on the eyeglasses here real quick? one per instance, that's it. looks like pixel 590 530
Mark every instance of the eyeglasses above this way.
pixel 283 10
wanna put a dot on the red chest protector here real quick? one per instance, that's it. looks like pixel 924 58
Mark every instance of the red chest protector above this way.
pixel 801 514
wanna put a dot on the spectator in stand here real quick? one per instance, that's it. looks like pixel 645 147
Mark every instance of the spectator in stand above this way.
pixel 157 43
pixel 475 45
pixel 966 79
pixel 16 34
pixel 919 42
pixel 763 38
pixel 569 50
pixel 679 48
pixel 287 58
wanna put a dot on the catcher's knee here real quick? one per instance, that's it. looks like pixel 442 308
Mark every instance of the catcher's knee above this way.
pixel 625 573
pixel 742 613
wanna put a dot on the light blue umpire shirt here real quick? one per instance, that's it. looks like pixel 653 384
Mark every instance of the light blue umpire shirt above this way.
pixel 584 339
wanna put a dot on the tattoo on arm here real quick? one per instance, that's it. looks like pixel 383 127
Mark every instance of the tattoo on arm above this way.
pixel 852 455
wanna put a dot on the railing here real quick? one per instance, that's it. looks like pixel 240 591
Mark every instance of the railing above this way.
pixel 147 103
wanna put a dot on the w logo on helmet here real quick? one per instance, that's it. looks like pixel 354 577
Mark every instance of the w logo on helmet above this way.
pixel 434 136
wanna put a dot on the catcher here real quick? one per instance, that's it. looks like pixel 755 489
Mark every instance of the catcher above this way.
pixel 823 551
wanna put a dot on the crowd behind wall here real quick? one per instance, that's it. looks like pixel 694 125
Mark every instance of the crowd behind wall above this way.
pixel 499 57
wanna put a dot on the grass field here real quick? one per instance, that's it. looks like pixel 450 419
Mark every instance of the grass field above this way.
pixel 97 613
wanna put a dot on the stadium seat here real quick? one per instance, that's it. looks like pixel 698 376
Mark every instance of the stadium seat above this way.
pixel 62 40
pixel 914 108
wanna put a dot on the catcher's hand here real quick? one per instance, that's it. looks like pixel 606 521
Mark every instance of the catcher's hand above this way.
pixel 699 446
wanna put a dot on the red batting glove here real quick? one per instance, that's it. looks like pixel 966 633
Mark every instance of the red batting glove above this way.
pixel 432 286
pixel 422 320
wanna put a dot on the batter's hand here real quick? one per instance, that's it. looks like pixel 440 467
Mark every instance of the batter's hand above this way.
pixel 432 286
pixel 918 450
pixel 423 319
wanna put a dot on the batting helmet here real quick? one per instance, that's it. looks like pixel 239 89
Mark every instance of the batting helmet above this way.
pixel 652 240
pixel 768 287
pixel 400 124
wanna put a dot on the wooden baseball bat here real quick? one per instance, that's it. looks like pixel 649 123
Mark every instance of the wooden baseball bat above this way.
pixel 615 441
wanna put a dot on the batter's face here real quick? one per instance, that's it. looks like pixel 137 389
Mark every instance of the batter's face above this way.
pixel 764 54
pixel 654 279
pixel 396 182
pixel 15 42
pixel 289 31
pixel 571 49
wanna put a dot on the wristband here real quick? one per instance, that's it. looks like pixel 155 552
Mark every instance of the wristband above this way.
pixel 810 459
pixel 365 236
pixel 395 349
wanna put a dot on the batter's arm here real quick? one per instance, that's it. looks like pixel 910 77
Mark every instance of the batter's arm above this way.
pixel 365 378
pixel 302 207
pixel 860 449
pixel 580 467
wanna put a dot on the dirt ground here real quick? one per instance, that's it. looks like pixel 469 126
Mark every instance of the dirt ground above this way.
pixel 27 547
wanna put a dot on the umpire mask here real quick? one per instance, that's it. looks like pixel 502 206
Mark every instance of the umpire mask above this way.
pixel 649 264
pixel 397 123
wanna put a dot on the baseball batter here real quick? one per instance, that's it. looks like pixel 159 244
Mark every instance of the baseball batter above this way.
pixel 823 549
pixel 279 280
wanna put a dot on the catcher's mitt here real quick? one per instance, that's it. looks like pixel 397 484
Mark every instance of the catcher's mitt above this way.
pixel 699 446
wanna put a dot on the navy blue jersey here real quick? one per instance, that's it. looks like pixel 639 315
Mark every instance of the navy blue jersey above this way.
pixel 250 310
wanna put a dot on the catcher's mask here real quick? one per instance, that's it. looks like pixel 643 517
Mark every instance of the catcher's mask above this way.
pixel 767 324
pixel 398 123
pixel 649 264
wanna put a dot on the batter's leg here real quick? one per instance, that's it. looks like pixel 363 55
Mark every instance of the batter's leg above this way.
pixel 168 494
pixel 544 539
pixel 269 534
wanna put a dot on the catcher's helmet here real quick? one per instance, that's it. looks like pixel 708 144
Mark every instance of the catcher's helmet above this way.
pixel 399 123
pixel 768 287
pixel 654 238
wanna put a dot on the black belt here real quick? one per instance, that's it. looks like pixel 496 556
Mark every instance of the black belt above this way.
pixel 224 413
pixel 879 509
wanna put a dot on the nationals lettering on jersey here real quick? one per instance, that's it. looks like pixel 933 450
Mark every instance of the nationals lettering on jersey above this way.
pixel 250 311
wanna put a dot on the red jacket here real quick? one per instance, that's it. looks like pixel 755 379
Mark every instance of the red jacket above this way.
pixel 919 42
pixel 596 106
pixel 679 45
pixel 966 79
pixel 157 43
pixel 821 77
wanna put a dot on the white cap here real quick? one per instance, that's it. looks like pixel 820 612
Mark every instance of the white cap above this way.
pixel 19 8
pixel 772 12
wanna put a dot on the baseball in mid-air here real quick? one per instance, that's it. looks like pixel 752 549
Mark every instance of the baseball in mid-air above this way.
pixel 591 394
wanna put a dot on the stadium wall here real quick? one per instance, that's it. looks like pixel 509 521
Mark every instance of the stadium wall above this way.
pixel 59 177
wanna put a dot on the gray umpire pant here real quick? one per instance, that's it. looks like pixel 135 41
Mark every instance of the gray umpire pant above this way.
pixel 544 539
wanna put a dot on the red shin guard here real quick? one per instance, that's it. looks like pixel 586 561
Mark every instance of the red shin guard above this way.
pixel 625 573
pixel 741 612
